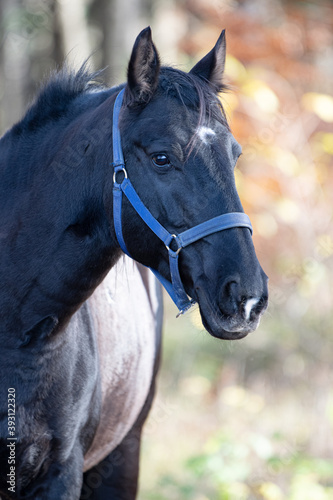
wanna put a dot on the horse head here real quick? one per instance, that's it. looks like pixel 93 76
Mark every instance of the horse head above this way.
pixel 180 155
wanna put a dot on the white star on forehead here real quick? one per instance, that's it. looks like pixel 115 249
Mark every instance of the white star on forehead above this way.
pixel 205 133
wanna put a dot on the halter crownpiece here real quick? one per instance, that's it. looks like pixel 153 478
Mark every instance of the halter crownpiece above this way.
pixel 175 288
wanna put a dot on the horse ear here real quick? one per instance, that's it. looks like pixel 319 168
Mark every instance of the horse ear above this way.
pixel 143 69
pixel 211 67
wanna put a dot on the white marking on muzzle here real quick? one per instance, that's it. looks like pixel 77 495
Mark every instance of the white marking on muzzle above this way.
pixel 204 133
pixel 249 305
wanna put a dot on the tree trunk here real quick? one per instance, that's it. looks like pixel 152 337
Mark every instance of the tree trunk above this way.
pixel 14 65
pixel 74 28
pixel 120 21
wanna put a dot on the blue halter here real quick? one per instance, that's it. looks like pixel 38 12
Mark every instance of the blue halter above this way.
pixel 174 288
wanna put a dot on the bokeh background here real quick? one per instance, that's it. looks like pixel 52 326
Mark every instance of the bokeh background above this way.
pixel 251 419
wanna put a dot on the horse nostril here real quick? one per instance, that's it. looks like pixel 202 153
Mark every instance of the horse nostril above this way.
pixel 249 305
pixel 234 302
pixel 262 304
pixel 230 299
pixel 253 307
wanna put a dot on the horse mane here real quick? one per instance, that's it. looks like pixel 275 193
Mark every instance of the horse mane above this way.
pixel 65 86
pixel 57 95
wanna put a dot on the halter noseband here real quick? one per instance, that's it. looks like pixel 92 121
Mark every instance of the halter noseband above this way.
pixel 175 288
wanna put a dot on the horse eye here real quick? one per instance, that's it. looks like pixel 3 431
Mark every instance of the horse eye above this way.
pixel 160 160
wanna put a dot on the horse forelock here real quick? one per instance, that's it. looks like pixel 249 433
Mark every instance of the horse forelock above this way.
pixel 196 94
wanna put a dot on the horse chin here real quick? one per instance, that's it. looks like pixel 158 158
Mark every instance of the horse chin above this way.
pixel 219 328
pixel 224 327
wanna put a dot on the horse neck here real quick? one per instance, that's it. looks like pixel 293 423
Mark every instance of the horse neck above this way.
pixel 38 279
pixel 30 291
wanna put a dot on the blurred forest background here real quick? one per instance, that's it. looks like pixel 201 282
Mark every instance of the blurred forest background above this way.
pixel 252 419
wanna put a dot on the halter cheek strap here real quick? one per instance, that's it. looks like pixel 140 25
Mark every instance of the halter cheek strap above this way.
pixel 175 288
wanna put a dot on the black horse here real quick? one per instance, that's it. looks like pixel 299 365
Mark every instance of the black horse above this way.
pixel 79 332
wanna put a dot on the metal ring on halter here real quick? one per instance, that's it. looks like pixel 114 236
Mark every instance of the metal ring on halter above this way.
pixel 176 252
pixel 122 169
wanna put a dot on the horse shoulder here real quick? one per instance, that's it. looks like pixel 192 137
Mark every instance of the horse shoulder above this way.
pixel 126 313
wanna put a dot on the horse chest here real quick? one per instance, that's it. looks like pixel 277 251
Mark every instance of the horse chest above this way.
pixel 124 312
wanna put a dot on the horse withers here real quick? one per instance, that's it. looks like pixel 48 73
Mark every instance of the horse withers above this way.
pixel 147 168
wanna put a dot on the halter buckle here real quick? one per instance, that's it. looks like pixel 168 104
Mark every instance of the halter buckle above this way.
pixel 177 240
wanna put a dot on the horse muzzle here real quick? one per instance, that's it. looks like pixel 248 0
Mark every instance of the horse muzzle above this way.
pixel 234 313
